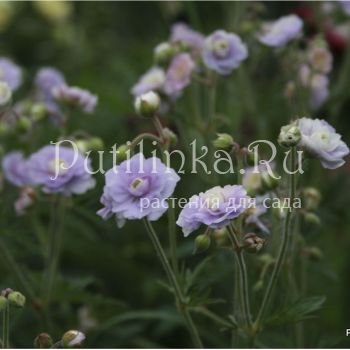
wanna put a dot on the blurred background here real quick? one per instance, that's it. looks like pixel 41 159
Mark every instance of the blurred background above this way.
pixel 109 281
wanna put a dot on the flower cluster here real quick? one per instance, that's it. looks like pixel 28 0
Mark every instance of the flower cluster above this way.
pixel 189 53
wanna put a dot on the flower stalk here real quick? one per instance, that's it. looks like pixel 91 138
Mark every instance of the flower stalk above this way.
pixel 180 299
pixel 286 239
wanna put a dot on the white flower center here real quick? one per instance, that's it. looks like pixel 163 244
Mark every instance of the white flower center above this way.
pixel 221 47
pixel 58 166
pixel 213 199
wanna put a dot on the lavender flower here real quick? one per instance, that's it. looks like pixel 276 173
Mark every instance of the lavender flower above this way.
pixel 179 74
pixel 321 140
pixel 214 208
pixel 15 169
pixel 10 73
pixel 181 32
pixel 153 79
pixel 76 96
pixel 46 80
pixel 137 188
pixel 224 52
pixel 280 32
pixel 60 170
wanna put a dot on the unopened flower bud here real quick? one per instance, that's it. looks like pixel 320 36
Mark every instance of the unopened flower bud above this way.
pixel 5 292
pixel 5 93
pixel 38 111
pixel 163 53
pixel 311 197
pixel 223 141
pixel 201 243
pixel 289 136
pixel 147 104
pixel 170 136
pixel 312 218
pixel 250 159
pixel 220 235
pixel 82 146
pixel 43 341
pixel 3 302
pixel 16 299
pixel 122 152
pixel 23 124
pixel 252 243
pixel 96 144
pixel 73 339
pixel 268 181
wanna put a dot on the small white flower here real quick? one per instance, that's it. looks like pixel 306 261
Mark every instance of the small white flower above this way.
pixel 320 59
pixel 5 93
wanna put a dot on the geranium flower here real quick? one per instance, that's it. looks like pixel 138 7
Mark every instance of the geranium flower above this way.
pixel 214 208
pixel 224 52
pixel 321 140
pixel 137 188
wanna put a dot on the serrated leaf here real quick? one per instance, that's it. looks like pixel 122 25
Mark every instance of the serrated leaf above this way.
pixel 302 309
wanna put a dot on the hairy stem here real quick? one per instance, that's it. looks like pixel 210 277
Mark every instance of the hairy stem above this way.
pixel 55 242
pixel 243 277
pixel 180 299
pixel 283 250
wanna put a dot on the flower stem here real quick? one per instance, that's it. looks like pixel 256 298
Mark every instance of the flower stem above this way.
pixel 14 268
pixel 243 277
pixel 180 299
pixel 6 327
pixel 283 249
pixel 55 242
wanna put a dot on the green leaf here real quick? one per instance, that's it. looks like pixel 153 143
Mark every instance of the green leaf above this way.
pixel 302 309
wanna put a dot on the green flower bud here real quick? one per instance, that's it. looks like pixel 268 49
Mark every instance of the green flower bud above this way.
pixel 312 218
pixel 163 53
pixel 82 146
pixel 5 93
pixel 38 111
pixel 252 243
pixel 147 104
pixel 311 197
pixel 201 243
pixel 122 152
pixel 3 302
pixel 289 136
pixel 250 158
pixel 268 181
pixel 43 341
pixel 23 124
pixel 223 141
pixel 73 339
pixel 170 136
pixel 220 236
pixel 16 299
pixel 96 144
